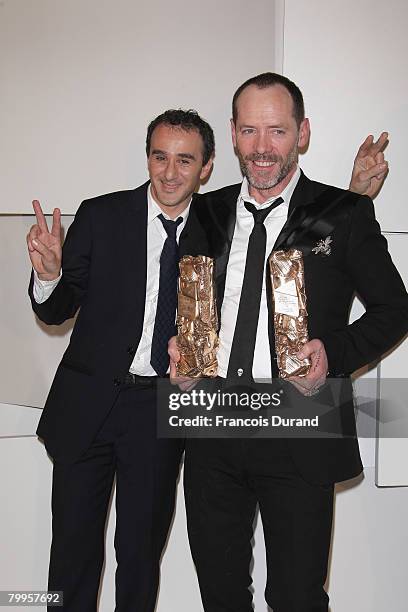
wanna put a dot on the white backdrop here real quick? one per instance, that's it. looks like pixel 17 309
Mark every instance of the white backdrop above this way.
pixel 82 79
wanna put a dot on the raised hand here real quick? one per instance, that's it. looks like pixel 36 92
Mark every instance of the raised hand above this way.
pixel 370 167
pixel 45 247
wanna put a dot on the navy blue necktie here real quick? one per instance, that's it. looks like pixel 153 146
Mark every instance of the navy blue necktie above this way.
pixel 243 344
pixel 164 324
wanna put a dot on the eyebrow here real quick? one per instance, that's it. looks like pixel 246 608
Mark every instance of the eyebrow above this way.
pixel 253 127
pixel 181 155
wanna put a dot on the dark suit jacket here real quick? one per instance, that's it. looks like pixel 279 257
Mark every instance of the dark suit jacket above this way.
pixel 104 274
pixel 359 262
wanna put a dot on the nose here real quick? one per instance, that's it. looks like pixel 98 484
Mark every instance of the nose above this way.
pixel 170 171
pixel 261 144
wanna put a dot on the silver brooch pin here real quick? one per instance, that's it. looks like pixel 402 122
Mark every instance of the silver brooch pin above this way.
pixel 323 246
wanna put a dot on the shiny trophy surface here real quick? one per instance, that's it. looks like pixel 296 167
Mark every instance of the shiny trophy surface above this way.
pixel 290 314
pixel 197 320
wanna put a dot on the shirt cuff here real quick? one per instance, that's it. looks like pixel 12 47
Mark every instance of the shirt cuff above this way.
pixel 42 289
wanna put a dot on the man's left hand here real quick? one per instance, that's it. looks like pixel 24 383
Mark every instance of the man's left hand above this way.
pixel 370 168
pixel 310 384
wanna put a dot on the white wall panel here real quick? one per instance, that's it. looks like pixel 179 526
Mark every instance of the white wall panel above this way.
pixel 349 59
pixel 392 444
pixel 18 421
pixel 30 350
pixel 82 79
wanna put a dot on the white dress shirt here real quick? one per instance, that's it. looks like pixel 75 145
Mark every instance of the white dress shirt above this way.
pixel 156 236
pixel 244 224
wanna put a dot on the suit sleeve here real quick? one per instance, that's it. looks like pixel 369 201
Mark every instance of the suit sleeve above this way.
pixel 71 291
pixel 378 283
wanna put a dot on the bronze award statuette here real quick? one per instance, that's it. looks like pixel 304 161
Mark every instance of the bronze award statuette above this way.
pixel 197 320
pixel 290 317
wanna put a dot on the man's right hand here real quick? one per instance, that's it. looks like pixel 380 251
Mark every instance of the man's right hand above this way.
pixel 184 382
pixel 45 247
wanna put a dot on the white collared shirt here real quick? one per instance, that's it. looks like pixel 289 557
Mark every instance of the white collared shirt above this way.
pixel 244 224
pixel 156 236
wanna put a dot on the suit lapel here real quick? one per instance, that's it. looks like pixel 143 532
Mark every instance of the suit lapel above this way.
pixel 302 196
pixel 134 246
pixel 224 216
pixel 210 229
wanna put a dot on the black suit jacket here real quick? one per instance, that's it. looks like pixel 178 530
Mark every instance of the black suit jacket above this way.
pixel 359 263
pixel 104 276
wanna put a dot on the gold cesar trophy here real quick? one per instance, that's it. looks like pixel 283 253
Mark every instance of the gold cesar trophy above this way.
pixel 290 316
pixel 197 319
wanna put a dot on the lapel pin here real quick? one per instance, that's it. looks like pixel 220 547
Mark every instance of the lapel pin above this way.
pixel 323 246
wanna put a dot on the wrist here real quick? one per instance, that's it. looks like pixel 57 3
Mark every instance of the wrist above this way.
pixel 49 277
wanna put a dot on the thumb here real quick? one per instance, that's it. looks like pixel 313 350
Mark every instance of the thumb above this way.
pixel 307 349
pixel 173 370
pixel 173 350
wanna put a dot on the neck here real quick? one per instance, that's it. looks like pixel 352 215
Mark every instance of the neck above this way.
pixel 173 210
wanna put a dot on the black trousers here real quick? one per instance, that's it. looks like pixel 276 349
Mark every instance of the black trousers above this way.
pixel 224 479
pixel 146 470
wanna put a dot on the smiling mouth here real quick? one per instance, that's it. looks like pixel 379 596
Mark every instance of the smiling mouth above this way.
pixel 170 186
pixel 263 164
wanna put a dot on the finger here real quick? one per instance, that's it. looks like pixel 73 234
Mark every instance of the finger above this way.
pixel 303 390
pixel 173 372
pixel 379 144
pixel 306 382
pixel 44 251
pixel 379 158
pixel 173 350
pixel 376 170
pixel 40 216
pixel 310 347
pixel 182 380
pixel 175 379
pixel 32 235
pixel 56 223
pixel 30 245
pixel 174 354
pixel 309 389
pixel 380 177
pixel 365 146
pixel 184 383
pixel 188 385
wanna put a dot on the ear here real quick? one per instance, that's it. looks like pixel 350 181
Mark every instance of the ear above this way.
pixel 233 133
pixel 205 170
pixel 304 134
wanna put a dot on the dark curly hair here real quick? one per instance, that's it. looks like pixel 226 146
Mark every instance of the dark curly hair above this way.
pixel 187 120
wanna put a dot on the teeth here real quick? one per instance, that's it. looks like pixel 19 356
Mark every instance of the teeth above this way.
pixel 264 164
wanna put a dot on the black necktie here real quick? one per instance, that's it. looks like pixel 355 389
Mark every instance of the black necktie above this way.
pixel 243 345
pixel 164 323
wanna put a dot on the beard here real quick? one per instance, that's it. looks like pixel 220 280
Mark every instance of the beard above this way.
pixel 285 165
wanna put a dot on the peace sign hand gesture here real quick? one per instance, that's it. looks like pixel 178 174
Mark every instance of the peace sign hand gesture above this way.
pixel 370 168
pixel 45 247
